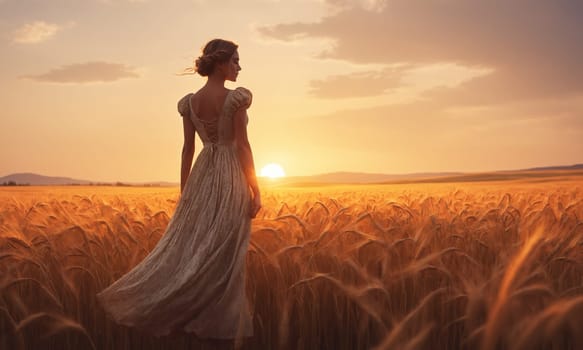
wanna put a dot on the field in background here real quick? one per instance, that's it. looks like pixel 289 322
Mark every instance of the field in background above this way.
pixel 446 266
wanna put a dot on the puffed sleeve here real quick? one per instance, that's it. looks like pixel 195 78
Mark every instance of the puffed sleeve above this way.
pixel 242 98
pixel 184 106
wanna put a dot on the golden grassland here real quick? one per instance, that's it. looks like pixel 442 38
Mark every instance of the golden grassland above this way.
pixel 443 266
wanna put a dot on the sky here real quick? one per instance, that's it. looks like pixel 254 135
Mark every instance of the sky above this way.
pixel 88 88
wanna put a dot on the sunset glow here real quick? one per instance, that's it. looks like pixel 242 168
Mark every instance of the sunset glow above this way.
pixel 272 170
pixel 89 91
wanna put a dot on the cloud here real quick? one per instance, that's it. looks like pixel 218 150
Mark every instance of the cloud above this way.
pixel 35 32
pixel 86 73
pixel 114 1
pixel 522 106
pixel 358 84
pixel 369 5
pixel 534 48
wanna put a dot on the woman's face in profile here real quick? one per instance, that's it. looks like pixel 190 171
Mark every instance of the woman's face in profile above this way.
pixel 231 68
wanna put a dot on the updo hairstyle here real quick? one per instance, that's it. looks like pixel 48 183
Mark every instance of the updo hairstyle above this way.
pixel 215 52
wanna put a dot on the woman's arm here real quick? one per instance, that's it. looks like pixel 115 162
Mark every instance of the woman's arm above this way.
pixel 187 151
pixel 244 149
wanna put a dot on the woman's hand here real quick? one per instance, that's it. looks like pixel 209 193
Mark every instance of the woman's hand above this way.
pixel 255 205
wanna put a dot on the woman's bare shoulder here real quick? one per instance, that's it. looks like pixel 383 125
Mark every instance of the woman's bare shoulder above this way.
pixel 196 97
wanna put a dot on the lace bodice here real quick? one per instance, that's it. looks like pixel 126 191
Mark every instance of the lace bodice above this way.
pixel 219 131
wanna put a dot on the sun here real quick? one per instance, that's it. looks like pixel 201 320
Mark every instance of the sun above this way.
pixel 272 170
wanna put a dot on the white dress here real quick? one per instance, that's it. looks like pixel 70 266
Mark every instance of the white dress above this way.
pixel 194 279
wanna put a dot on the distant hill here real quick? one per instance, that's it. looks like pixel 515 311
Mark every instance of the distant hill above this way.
pixel 531 174
pixel 43 180
pixel 36 179
pixel 560 167
pixel 351 177
pixel 522 175
pixel 330 178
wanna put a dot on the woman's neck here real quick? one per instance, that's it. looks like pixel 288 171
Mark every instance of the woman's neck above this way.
pixel 215 82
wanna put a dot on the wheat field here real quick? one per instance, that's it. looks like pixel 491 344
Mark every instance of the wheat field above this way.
pixel 492 265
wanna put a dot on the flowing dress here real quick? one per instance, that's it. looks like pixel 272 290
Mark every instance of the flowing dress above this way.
pixel 194 278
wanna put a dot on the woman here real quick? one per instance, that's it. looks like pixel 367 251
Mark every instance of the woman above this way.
pixel 194 279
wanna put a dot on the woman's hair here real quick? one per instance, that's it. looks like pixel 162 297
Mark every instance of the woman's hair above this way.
pixel 215 51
